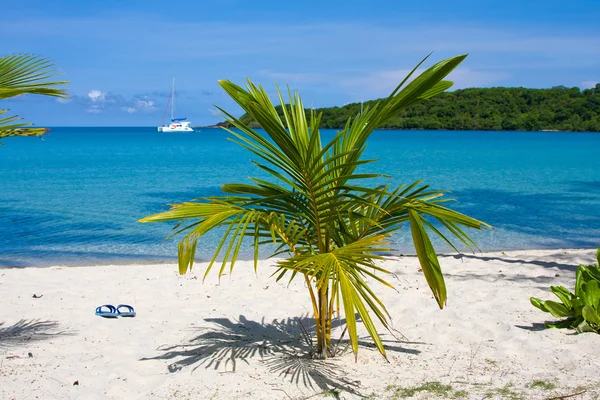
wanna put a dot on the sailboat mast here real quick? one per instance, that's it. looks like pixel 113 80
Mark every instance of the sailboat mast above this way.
pixel 173 100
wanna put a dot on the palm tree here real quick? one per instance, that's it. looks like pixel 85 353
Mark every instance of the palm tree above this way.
pixel 25 74
pixel 331 229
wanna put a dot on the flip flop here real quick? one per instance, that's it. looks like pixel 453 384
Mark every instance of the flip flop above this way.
pixel 129 313
pixel 111 313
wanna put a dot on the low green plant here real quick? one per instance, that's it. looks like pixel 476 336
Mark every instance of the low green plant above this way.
pixel 434 388
pixel 542 385
pixel 581 309
pixel 331 393
pixel 506 392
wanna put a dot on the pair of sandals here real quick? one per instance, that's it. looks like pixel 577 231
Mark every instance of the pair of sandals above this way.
pixel 110 311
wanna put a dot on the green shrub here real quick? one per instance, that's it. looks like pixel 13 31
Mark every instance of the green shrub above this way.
pixel 581 309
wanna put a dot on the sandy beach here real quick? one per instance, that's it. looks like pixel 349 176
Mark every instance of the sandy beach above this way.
pixel 241 338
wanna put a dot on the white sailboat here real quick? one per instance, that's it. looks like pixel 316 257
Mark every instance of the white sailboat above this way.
pixel 177 124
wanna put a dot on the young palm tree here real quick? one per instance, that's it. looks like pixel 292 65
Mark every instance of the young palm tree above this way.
pixel 25 74
pixel 331 228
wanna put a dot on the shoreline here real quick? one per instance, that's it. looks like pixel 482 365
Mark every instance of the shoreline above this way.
pixel 173 261
pixel 241 337
pixel 198 128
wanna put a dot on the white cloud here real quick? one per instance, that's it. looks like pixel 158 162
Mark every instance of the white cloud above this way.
pixel 589 84
pixel 96 96
pixel 97 102
pixel 63 101
pixel 467 77
pixel 381 83
pixel 138 105
pixel 295 77
pixel 145 105
pixel 93 110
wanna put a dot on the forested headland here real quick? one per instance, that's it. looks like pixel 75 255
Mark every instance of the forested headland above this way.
pixel 515 109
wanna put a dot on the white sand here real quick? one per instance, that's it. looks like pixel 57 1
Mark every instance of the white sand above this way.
pixel 240 339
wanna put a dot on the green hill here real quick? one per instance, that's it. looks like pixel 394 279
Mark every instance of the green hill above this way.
pixel 559 108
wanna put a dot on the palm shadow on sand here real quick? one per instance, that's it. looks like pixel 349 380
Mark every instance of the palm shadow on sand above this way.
pixel 282 345
pixel 563 260
pixel 27 331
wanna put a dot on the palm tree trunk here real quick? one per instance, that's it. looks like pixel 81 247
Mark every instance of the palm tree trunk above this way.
pixel 323 321
pixel 319 326
pixel 316 309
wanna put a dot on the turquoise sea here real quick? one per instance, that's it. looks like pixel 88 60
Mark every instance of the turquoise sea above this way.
pixel 74 197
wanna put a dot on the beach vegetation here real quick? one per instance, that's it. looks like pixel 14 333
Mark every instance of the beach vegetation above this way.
pixel 506 392
pixel 460 394
pixel 542 385
pixel 331 393
pixel 436 389
pixel 26 74
pixel 483 109
pixel 329 221
pixel 580 310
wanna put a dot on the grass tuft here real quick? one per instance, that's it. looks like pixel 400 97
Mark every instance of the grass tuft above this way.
pixel 435 388
pixel 460 394
pixel 506 392
pixel 542 385
pixel 331 393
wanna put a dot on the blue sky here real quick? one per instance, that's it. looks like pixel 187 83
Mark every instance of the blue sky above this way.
pixel 120 55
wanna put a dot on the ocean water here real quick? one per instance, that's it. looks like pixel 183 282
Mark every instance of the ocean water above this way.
pixel 74 197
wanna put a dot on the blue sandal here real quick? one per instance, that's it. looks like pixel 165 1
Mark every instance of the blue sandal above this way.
pixel 130 312
pixel 111 313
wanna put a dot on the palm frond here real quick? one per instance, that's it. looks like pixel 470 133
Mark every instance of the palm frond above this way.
pixel 26 74
pixel 11 126
pixel 315 208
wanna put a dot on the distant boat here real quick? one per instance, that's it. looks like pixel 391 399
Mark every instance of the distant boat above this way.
pixel 177 124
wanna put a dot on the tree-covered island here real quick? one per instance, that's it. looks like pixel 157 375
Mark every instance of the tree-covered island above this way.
pixel 514 109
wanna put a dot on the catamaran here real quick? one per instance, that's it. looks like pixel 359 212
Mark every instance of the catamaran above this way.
pixel 177 124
